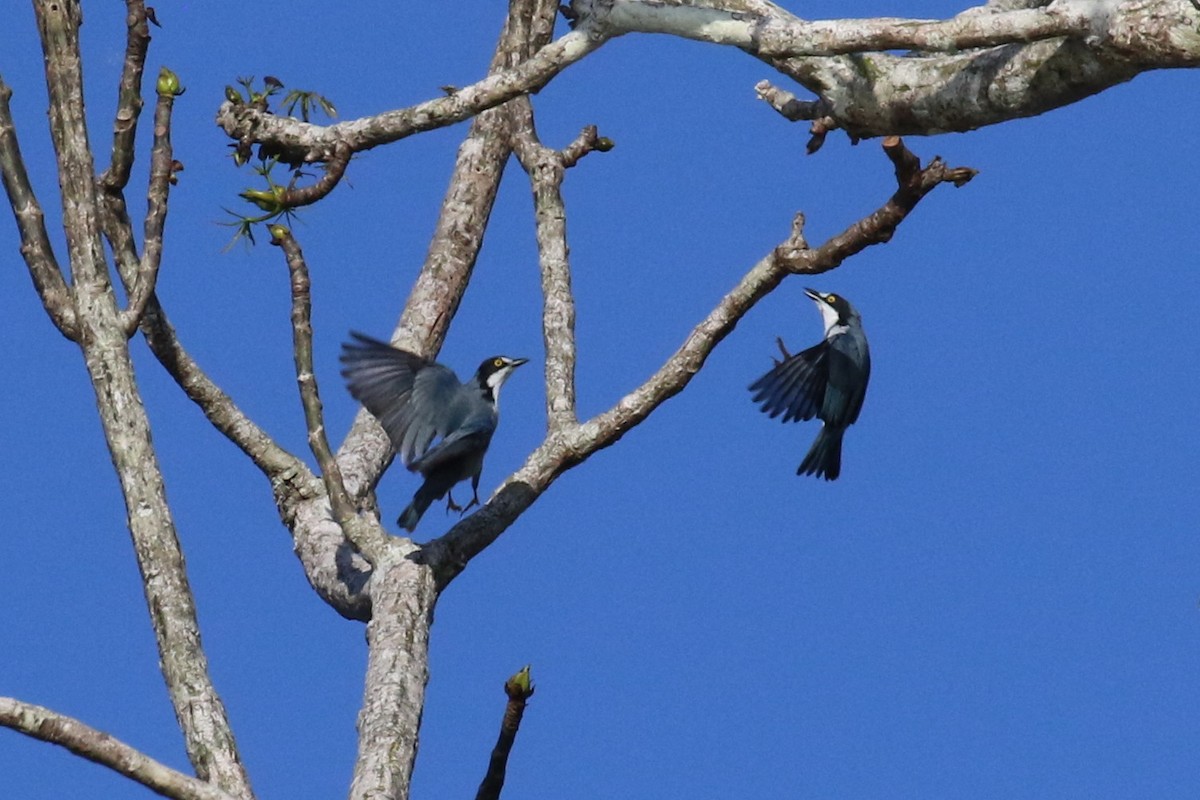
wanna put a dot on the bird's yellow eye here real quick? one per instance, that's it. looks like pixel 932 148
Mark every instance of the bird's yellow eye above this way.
pixel 499 362
pixel 831 298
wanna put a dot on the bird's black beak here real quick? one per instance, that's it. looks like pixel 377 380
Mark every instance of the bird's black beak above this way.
pixel 516 362
pixel 815 295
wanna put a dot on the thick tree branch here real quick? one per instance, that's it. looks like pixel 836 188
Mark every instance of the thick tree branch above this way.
pixel 403 588
pixel 1047 55
pixel 335 571
pixel 771 32
pixel 207 735
pixel 403 595
pixel 100 748
pixel 31 222
pixel 302 141
pixel 563 450
pixel 546 169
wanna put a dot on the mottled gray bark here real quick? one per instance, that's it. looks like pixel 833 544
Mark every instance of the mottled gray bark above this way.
pixel 996 64
pixel 97 746
pixel 990 64
pixel 101 334
pixel 403 585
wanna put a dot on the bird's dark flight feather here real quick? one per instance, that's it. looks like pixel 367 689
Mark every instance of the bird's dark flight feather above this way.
pixel 796 386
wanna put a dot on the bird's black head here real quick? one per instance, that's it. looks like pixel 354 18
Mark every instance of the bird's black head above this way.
pixel 835 309
pixel 494 371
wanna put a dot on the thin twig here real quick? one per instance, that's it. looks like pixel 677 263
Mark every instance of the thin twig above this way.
pixel 519 689
pixel 370 539
pixel 913 183
pixel 129 98
pixel 335 168
pixel 162 168
pixel 99 747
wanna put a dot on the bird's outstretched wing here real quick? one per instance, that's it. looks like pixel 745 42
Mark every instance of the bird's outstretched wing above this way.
pixel 796 386
pixel 404 391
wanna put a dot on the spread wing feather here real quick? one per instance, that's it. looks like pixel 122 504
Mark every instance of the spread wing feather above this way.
pixel 404 391
pixel 796 386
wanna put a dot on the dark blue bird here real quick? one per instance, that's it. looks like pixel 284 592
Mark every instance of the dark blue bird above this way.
pixel 417 401
pixel 827 381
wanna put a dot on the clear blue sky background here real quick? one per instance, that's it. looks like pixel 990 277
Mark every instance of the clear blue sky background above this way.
pixel 998 599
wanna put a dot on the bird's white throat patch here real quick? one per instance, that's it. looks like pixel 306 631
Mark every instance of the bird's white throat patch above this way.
pixel 496 380
pixel 829 315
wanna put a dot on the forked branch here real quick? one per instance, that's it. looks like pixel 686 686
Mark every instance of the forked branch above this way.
pixel 546 169
pixel 162 172
pixel 564 449
pixel 305 142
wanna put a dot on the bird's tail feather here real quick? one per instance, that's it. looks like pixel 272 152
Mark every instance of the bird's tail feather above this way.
pixel 824 458
pixel 420 502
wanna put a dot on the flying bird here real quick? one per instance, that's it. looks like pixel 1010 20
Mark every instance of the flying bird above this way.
pixel 419 401
pixel 827 381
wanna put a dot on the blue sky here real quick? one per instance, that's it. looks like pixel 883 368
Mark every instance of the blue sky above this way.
pixel 999 598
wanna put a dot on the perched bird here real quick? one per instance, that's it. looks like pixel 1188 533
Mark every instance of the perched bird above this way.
pixel 828 381
pixel 417 401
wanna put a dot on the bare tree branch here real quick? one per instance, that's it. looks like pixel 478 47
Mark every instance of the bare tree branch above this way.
pixel 913 184
pixel 335 571
pixel 565 449
pixel 770 32
pixel 333 568
pixel 1047 55
pixel 31 222
pixel 335 168
pixel 404 590
pixel 207 735
pixel 369 538
pixel 129 98
pixel 162 168
pixel 795 109
pixel 302 141
pixel 456 241
pixel 403 595
pixel 519 689
pixel 546 169
pixel 100 748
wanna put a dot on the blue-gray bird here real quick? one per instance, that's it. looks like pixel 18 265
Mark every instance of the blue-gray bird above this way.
pixel 417 401
pixel 828 381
